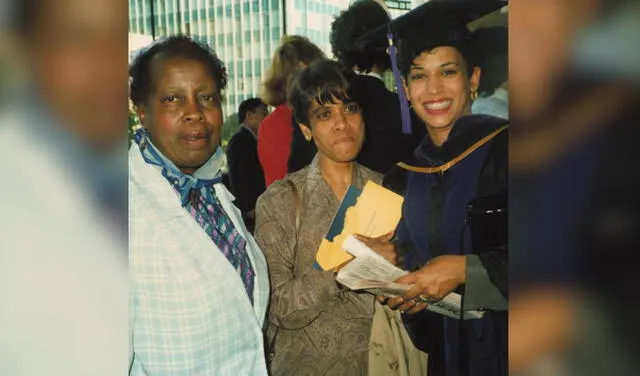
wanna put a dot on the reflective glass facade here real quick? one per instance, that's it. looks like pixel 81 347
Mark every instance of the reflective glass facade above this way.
pixel 244 33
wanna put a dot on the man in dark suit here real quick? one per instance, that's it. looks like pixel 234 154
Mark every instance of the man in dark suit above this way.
pixel 245 173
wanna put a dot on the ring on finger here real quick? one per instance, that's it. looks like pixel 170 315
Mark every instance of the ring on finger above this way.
pixel 427 299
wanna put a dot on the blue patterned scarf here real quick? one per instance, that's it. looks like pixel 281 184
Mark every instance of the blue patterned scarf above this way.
pixel 198 197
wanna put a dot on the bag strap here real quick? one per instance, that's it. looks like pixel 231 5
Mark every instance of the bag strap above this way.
pixel 296 205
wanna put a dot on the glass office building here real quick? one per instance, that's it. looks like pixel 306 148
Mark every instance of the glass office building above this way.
pixel 398 7
pixel 244 33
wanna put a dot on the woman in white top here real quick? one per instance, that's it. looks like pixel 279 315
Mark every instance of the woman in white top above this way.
pixel 199 284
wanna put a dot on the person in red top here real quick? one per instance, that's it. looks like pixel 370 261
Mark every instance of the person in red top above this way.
pixel 275 132
pixel 274 143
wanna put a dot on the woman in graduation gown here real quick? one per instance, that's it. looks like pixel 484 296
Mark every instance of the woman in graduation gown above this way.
pixel 458 174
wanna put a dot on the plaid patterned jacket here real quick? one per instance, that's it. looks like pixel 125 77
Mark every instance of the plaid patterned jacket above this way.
pixel 190 313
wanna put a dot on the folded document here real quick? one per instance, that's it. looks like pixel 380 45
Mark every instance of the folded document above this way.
pixel 372 212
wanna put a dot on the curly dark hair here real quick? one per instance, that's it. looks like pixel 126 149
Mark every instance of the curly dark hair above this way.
pixel 171 47
pixel 360 18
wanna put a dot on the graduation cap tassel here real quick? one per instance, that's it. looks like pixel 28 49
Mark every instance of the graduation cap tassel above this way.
pixel 402 97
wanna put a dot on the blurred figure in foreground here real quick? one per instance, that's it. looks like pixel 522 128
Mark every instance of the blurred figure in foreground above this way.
pixel 63 268
pixel 199 282
pixel 245 173
pixel 574 216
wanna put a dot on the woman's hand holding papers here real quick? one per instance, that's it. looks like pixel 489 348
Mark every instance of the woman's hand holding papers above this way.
pixel 437 278
pixel 432 282
pixel 382 245
pixel 409 307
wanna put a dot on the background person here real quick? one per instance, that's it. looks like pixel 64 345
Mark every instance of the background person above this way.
pixel 493 92
pixel 385 144
pixel 275 134
pixel 245 173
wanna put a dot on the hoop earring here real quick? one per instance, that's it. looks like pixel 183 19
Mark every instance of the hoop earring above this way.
pixel 474 94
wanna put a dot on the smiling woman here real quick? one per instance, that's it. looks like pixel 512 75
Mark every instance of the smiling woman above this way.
pixel 440 89
pixel 458 170
pixel 199 280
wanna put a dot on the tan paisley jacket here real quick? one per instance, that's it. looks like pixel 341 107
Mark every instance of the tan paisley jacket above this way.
pixel 319 328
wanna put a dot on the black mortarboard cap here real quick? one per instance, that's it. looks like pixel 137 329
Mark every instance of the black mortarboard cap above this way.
pixel 434 23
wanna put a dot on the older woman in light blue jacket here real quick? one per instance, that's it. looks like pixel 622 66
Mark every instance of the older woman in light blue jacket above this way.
pixel 199 284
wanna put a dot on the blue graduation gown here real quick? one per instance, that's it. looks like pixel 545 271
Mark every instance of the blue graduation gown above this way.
pixel 471 163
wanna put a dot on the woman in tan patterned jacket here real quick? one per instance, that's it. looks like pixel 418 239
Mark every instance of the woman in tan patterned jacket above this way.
pixel 315 326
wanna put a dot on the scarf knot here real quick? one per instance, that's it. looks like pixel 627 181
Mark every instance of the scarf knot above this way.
pixel 185 185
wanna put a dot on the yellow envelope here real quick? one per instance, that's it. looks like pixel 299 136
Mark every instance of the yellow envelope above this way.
pixel 376 212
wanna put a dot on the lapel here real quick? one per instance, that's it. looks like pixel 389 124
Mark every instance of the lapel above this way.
pixel 416 212
pixel 258 261
pixel 163 209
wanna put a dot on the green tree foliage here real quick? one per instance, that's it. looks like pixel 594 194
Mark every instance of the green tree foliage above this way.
pixel 229 128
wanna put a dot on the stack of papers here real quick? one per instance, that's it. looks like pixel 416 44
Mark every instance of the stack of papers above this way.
pixel 368 271
pixel 372 212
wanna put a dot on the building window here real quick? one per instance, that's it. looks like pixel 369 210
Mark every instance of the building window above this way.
pixel 257 68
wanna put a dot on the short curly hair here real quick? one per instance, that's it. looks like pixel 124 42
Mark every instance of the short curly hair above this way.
pixel 175 46
pixel 357 20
